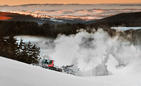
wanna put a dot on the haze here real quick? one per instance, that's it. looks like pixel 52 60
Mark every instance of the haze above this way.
pixel 19 2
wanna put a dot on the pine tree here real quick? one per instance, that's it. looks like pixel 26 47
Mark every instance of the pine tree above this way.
pixel 24 52
pixel 11 45
pixel 28 53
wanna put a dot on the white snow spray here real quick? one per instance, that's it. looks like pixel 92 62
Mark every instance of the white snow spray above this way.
pixel 95 54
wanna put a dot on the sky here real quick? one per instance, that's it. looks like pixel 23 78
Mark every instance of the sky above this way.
pixel 19 2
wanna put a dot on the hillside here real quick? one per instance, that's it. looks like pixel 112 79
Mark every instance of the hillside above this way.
pixel 14 73
pixel 123 19
pixel 18 24
pixel 15 17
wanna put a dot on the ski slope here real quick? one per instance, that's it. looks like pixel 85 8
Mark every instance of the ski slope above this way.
pixel 13 73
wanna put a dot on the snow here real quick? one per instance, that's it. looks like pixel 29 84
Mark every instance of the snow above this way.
pixel 94 54
pixel 13 73
pixel 46 44
pixel 30 38
pixel 56 20
pixel 126 28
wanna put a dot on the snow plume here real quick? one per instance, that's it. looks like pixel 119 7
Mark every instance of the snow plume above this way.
pixel 95 54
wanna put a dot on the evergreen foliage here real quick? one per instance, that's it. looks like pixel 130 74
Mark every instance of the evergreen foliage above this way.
pixel 24 52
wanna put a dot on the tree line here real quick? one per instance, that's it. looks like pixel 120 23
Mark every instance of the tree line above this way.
pixel 32 28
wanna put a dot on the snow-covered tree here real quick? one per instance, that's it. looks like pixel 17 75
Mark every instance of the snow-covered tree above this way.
pixel 24 52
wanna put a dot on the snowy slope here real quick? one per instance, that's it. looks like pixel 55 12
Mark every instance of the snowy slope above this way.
pixel 13 73
pixel 118 56
pixel 125 28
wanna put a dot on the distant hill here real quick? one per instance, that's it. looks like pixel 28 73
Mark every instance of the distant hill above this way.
pixel 123 19
pixel 16 17
pixel 28 18
pixel 17 24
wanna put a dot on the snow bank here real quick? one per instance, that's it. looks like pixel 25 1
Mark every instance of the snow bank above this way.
pixel 13 73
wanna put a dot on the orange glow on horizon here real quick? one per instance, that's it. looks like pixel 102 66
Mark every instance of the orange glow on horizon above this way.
pixel 3 16
pixel 18 2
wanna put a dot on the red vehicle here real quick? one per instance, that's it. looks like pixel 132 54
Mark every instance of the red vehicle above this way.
pixel 51 64
pixel 47 63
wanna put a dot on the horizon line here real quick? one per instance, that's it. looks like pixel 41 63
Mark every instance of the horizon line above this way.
pixel 75 4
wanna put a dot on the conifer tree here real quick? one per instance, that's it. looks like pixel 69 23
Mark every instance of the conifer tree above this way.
pixel 24 52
